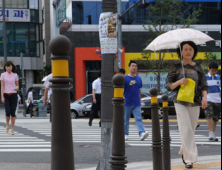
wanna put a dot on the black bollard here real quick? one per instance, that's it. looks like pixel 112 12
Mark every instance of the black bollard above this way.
pixel 118 159
pixel 62 156
pixel 157 144
pixel 166 135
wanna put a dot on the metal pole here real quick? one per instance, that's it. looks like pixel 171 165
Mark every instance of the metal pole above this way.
pixel 157 144
pixel 106 97
pixel 166 135
pixel 118 158
pixel 23 85
pixel 119 8
pixel 4 32
pixel 62 156
pixel 135 4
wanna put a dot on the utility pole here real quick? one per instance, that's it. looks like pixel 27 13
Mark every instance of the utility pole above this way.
pixel 23 85
pixel 142 4
pixel 4 32
pixel 119 10
pixel 106 98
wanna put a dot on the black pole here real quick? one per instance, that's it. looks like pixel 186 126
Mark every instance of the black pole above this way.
pixel 118 159
pixel 157 144
pixel 4 32
pixel 62 156
pixel 166 135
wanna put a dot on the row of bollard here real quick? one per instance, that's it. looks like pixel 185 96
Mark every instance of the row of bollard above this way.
pixel 161 148
pixel 62 143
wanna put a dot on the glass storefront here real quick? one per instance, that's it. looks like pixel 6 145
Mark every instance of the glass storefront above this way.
pixel 88 12
pixel 21 37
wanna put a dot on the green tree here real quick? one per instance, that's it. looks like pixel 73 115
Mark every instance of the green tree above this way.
pixel 46 70
pixel 164 16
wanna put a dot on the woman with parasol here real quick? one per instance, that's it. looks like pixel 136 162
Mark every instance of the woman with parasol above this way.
pixel 187 78
pixel 188 113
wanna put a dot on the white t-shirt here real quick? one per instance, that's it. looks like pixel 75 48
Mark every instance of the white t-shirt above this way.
pixel 97 86
pixel 47 84
pixel 30 97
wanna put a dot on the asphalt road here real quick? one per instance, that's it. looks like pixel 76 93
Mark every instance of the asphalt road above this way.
pixel 32 143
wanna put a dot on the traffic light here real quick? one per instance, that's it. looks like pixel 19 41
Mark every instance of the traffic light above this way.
pixel 18 70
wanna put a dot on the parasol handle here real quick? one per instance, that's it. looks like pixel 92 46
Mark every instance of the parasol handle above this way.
pixel 182 61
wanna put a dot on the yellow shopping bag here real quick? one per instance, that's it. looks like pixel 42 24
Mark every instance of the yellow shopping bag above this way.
pixel 187 92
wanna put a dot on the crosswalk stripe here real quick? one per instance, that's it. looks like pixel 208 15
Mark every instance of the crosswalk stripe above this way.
pixel 82 134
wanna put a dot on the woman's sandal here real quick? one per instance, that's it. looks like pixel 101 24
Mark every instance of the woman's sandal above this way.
pixel 7 129
pixel 184 160
pixel 12 132
pixel 189 166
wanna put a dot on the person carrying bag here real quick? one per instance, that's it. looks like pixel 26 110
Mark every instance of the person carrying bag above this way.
pixel 188 80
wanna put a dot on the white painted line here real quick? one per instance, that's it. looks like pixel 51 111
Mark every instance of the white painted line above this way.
pixel 14 137
pixel 23 143
pixel 22 140
pixel 25 146
pixel 25 150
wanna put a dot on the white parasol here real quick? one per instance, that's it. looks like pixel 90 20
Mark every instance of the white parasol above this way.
pixel 173 39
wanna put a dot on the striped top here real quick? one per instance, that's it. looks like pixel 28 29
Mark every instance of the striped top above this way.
pixel 214 84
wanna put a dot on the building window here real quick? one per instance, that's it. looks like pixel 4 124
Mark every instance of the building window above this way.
pixel 88 12
pixel 21 38
pixel 16 4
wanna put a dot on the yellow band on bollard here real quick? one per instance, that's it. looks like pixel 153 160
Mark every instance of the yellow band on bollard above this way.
pixel 60 68
pixel 118 92
pixel 165 104
pixel 154 100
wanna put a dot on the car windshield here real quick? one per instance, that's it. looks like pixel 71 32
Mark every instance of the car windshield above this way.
pixel 85 99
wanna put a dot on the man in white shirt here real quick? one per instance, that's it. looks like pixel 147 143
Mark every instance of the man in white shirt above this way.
pixel 96 107
pixel 48 92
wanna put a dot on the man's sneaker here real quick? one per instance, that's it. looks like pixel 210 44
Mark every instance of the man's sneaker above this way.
pixel 126 137
pixel 143 136
pixel 211 139
pixel 215 139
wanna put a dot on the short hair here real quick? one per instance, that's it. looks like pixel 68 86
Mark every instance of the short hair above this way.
pixel 8 64
pixel 192 44
pixel 132 62
pixel 213 65
pixel 122 71
pixel 100 74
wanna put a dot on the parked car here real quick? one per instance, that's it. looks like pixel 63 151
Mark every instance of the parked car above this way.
pixel 88 106
pixel 146 106
pixel 79 107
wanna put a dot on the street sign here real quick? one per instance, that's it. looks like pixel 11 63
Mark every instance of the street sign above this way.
pixel 16 15
pixel 60 12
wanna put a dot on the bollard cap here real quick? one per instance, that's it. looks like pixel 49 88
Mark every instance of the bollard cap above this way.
pixel 165 98
pixel 154 92
pixel 60 46
pixel 118 80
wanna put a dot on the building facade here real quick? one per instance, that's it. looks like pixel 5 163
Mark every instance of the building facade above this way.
pixel 84 35
pixel 24 35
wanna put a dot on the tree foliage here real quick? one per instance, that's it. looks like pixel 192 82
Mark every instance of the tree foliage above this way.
pixel 166 15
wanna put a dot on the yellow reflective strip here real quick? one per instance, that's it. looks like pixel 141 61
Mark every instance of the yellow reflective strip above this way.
pixel 60 68
pixel 118 93
pixel 165 104
pixel 154 100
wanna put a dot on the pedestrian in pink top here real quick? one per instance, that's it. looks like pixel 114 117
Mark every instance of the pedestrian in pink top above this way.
pixel 9 88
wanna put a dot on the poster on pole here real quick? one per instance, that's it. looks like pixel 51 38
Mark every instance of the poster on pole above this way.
pixel 108 33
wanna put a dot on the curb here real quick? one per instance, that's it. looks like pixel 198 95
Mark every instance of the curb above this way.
pixel 175 163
